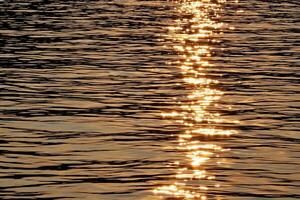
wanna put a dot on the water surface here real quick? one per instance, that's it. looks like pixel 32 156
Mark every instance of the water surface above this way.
pixel 133 99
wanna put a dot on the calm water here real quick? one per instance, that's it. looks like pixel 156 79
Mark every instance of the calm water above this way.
pixel 140 100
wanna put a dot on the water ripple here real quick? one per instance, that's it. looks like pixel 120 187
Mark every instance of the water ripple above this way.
pixel 191 99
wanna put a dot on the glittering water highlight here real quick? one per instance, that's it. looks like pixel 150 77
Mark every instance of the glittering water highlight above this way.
pixel 194 35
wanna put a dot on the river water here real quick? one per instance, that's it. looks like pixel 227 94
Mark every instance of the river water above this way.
pixel 140 100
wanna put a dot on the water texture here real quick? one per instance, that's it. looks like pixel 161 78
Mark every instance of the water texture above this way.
pixel 140 100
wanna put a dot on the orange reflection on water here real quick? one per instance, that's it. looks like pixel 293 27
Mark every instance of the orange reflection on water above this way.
pixel 193 36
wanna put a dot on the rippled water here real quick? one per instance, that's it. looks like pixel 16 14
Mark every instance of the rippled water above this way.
pixel 135 99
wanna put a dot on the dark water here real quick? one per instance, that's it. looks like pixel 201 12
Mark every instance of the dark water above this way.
pixel 135 99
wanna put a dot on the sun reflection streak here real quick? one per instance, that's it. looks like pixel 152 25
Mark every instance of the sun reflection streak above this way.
pixel 193 36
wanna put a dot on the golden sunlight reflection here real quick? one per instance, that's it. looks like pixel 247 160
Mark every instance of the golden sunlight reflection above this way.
pixel 193 36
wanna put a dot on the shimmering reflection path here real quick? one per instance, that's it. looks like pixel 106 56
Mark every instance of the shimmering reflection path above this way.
pixel 194 36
